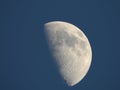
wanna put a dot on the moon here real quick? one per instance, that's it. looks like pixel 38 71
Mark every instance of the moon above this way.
pixel 70 49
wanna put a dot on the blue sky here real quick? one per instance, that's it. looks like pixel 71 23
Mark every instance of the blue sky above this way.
pixel 25 63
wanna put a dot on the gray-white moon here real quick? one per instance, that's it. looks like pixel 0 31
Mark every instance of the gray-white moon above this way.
pixel 71 50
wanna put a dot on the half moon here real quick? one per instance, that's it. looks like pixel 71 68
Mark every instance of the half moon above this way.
pixel 71 50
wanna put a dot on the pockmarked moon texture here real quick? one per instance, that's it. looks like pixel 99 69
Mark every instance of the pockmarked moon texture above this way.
pixel 70 49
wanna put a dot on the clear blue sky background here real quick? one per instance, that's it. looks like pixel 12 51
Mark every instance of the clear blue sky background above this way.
pixel 25 63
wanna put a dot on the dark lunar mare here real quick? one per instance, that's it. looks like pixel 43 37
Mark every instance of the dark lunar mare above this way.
pixel 69 40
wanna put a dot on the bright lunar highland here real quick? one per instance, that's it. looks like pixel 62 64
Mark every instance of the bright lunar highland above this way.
pixel 70 49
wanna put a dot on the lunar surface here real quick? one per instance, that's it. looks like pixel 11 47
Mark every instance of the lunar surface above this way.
pixel 70 49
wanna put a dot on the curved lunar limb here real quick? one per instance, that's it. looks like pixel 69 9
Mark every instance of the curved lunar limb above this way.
pixel 71 50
